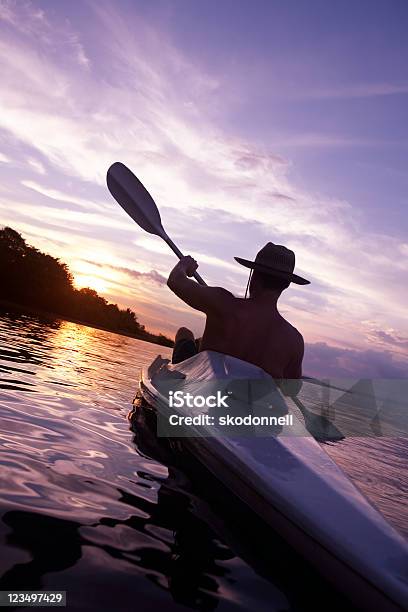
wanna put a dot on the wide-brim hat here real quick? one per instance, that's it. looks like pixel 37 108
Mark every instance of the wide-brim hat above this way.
pixel 276 260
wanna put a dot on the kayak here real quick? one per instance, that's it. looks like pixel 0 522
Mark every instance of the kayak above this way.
pixel 287 479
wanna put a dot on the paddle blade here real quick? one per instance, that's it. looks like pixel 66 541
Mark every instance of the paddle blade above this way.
pixel 134 198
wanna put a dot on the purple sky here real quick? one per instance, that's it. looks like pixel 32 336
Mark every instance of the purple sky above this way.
pixel 248 121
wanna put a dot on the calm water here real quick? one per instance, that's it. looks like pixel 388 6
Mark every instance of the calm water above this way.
pixel 92 508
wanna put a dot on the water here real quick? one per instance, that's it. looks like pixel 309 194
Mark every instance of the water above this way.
pixel 378 466
pixel 92 508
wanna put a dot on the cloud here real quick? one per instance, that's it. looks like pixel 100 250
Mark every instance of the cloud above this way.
pixel 76 220
pixel 37 166
pixel 152 276
pixel 325 361
pixel 79 53
pixel 31 22
pixel 56 194
pixel 318 140
pixel 4 159
pixel 155 245
pixel 24 17
pixel 247 160
pixel 281 196
pixel 356 90
pixel 393 338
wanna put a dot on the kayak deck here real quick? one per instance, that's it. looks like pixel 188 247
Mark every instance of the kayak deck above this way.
pixel 296 487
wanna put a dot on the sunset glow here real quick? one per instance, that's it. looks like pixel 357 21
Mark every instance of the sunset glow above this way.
pixel 93 282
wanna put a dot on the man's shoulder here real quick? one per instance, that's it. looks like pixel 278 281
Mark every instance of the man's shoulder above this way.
pixel 295 334
pixel 219 300
pixel 222 294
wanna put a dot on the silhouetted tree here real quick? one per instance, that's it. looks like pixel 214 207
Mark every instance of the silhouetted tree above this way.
pixel 35 279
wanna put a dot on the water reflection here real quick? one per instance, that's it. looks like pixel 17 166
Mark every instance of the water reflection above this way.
pixel 54 545
pixel 35 340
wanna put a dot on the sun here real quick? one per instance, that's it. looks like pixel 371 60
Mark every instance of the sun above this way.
pixel 93 282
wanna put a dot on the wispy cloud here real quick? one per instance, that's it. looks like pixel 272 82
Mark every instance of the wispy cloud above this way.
pixel 332 141
pixel 36 165
pixel 60 196
pixel 152 276
pixel 25 17
pixel 356 90
pixel 390 338
pixel 4 159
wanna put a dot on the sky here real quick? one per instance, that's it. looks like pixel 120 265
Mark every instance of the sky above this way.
pixel 248 121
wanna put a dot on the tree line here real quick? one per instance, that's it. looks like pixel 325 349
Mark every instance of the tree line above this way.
pixel 42 282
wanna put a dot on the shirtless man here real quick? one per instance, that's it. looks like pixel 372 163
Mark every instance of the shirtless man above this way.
pixel 251 329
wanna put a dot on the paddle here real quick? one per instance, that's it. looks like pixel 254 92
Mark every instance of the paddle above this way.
pixel 318 425
pixel 134 198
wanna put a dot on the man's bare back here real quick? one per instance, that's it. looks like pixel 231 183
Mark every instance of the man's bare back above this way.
pixel 249 329
pixel 254 331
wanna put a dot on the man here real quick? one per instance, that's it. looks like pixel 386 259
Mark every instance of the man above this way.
pixel 251 329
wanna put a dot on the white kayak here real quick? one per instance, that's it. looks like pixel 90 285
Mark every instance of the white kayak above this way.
pixel 293 485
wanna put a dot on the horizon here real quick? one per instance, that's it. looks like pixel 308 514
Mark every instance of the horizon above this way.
pixel 244 130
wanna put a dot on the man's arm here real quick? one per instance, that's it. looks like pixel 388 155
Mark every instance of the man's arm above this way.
pixel 200 297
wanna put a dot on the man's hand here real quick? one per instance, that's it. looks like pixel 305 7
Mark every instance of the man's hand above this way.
pixel 187 264
pixel 184 268
pixel 203 298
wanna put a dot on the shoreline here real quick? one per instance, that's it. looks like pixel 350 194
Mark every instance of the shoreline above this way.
pixel 15 306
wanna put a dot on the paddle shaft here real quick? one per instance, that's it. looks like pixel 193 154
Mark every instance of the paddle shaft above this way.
pixel 179 254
